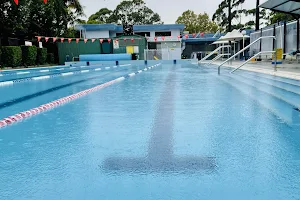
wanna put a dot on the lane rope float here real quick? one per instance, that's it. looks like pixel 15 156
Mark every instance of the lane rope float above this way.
pixel 10 82
pixel 53 104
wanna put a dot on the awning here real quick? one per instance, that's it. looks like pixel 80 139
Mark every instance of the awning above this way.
pixel 234 35
pixel 284 6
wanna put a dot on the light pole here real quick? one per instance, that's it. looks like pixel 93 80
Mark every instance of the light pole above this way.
pixel 257 16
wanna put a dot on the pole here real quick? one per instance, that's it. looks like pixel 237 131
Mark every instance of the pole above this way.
pixel 274 34
pixel 229 16
pixel 284 37
pixel 298 34
pixel 257 16
pixel 243 47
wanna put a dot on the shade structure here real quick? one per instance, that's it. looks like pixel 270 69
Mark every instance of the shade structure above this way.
pixel 285 6
pixel 221 41
pixel 234 35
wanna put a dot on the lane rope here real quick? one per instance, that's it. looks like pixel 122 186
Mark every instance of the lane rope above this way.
pixel 53 104
pixel 10 82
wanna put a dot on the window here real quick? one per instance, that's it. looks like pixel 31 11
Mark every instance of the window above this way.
pixel 167 33
pixel 147 34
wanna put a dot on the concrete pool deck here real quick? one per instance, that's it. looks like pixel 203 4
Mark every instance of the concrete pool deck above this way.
pixel 286 70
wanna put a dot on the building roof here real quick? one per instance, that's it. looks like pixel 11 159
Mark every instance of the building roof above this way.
pixel 285 6
pixel 117 28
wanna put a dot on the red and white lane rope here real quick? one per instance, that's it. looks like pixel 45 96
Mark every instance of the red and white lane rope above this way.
pixel 48 106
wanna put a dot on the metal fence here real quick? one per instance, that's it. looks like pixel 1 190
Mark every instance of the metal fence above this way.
pixel 286 38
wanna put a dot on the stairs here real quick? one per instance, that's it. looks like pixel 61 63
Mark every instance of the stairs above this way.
pixel 280 95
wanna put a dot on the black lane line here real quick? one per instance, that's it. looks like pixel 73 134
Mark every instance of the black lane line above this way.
pixel 31 96
pixel 160 155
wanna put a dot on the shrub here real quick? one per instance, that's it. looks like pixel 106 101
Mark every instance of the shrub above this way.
pixel 50 58
pixel 0 57
pixel 29 54
pixel 41 56
pixel 11 56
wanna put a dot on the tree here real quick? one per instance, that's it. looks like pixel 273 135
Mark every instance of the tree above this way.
pixel 278 17
pixel 103 16
pixel 134 12
pixel 228 11
pixel 197 23
pixel 263 16
pixel 32 17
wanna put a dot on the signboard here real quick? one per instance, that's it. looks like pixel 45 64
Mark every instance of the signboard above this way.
pixel 28 43
pixel 116 44
pixel 279 56
pixel 136 49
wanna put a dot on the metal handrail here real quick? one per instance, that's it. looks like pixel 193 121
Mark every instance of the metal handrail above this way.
pixel 244 63
pixel 217 57
pixel 245 48
pixel 217 49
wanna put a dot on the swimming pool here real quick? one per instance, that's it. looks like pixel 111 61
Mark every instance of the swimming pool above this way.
pixel 171 132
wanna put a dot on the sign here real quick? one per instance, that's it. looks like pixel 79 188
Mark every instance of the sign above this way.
pixel 116 44
pixel 40 45
pixel 136 49
pixel 279 56
pixel 28 43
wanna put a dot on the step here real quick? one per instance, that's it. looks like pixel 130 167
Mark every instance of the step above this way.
pixel 289 97
pixel 283 85
pixel 267 76
pixel 284 111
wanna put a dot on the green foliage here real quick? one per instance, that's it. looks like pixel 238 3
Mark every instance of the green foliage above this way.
pixel 31 18
pixel 50 58
pixel 197 23
pixel 11 56
pixel 227 12
pixel 128 11
pixel 103 16
pixel 0 57
pixel 278 17
pixel 29 54
pixel 41 56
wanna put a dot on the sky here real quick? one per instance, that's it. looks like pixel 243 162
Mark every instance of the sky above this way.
pixel 169 10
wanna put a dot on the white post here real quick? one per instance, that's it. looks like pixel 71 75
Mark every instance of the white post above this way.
pixel 234 49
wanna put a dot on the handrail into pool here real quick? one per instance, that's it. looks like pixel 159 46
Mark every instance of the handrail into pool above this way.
pixel 242 50
pixel 217 49
pixel 217 57
pixel 244 63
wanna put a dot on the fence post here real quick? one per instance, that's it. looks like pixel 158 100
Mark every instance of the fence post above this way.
pixel 284 38
pixel 298 34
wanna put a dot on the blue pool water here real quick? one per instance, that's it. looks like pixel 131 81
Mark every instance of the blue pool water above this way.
pixel 173 132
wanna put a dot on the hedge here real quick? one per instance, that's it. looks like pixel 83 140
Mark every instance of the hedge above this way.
pixel 41 56
pixel 0 57
pixel 50 58
pixel 29 54
pixel 11 56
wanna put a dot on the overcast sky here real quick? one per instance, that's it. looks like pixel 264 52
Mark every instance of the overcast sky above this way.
pixel 169 10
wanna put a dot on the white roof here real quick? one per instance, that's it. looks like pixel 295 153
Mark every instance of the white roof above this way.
pixel 234 35
pixel 221 41
pixel 285 6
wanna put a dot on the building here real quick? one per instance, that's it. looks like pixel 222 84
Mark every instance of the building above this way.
pixel 163 40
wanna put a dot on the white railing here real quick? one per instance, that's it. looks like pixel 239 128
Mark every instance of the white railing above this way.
pixel 216 50
pixel 244 63
pixel 217 57
pixel 241 51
